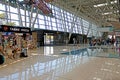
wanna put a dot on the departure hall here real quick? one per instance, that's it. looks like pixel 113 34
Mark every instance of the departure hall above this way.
pixel 59 39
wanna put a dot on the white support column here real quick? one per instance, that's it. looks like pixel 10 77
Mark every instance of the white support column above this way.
pixel 35 19
pixel 25 14
pixel 9 11
pixel 63 21
pixel 31 15
pixel 90 26
pixel 19 14
pixel 72 26
pixel 92 31
pixel 78 7
pixel 82 27
pixel 97 35
pixel 6 11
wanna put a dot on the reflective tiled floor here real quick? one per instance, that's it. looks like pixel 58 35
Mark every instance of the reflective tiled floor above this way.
pixel 47 63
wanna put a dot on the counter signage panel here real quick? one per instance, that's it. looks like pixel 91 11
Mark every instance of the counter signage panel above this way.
pixel 5 28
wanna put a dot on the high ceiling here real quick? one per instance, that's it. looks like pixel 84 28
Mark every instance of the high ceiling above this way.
pixel 105 12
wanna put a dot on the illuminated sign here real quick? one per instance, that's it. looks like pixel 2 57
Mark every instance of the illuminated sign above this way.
pixel 14 29
pixel 5 28
pixel 25 30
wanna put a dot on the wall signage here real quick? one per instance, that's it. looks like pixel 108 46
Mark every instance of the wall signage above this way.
pixel 6 28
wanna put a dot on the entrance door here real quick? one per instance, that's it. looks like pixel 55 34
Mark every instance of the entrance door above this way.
pixel 48 39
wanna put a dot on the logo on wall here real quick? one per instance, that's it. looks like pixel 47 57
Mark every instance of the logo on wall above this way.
pixel 5 28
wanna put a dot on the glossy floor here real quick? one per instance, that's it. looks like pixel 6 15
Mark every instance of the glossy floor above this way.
pixel 47 63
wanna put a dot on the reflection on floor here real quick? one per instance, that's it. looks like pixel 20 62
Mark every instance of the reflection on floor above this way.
pixel 66 63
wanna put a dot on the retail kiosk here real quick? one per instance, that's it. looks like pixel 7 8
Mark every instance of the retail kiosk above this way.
pixel 14 39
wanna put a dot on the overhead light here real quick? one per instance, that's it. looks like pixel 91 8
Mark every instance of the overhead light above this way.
pixel 104 4
pixel 99 5
pixel 113 2
pixel 110 12
pixel 106 13
pixel 117 11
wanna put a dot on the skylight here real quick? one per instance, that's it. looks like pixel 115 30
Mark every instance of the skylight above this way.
pixel 104 4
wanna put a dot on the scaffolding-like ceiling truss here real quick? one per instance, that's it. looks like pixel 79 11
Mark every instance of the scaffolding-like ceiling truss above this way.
pixel 101 11
pixel 104 12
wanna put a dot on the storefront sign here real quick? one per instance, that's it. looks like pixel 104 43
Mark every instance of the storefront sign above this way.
pixel 5 28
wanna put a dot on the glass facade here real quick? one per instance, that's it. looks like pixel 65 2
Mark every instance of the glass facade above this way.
pixel 61 20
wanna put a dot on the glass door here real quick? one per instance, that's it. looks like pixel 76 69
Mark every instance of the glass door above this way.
pixel 48 39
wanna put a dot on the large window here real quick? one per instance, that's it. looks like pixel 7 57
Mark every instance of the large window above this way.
pixel 14 16
pixel 13 10
pixel 2 7
pixel 60 20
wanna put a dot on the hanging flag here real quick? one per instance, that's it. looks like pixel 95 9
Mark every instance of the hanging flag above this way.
pixel 43 7
pixel 39 4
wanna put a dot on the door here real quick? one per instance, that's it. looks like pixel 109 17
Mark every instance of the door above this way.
pixel 48 39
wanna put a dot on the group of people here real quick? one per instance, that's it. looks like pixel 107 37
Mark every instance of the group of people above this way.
pixel 99 42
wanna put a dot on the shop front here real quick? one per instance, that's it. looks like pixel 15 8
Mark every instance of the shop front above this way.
pixel 14 42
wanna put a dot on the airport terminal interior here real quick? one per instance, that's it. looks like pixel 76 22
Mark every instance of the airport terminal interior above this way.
pixel 59 39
